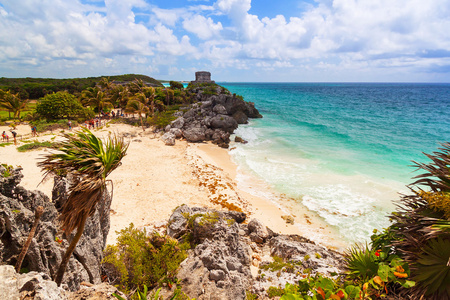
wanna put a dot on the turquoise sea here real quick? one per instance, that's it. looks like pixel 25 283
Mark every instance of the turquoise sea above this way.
pixel 341 150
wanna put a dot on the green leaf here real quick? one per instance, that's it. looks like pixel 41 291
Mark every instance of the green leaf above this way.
pixel 291 297
pixel 407 284
pixel 383 272
pixel 353 291
pixel 118 297
pixel 326 284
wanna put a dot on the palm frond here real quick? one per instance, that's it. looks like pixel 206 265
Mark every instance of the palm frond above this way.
pixel 90 161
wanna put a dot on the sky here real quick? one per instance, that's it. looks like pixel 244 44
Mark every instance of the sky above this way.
pixel 236 40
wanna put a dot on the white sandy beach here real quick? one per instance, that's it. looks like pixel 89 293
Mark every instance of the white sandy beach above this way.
pixel 154 179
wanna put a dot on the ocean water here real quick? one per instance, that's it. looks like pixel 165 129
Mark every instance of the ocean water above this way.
pixel 343 151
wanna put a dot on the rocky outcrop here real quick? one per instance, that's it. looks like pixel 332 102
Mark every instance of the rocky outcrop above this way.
pixel 39 286
pixel 44 255
pixel 32 285
pixel 219 265
pixel 214 117
pixel 226 250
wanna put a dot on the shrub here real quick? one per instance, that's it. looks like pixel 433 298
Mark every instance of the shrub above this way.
pixel 161 119
pixel 61 105
pixel 176 85
pixel 274 291
pixel 139 259
pixel 7 171
pixel 37 145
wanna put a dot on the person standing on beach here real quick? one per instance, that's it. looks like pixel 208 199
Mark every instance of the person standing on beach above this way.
pixel 14 134
pixel 70 124
pixel 33 131
pixel 3 136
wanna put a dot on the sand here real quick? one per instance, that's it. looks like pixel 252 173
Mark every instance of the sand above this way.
pixel 154 179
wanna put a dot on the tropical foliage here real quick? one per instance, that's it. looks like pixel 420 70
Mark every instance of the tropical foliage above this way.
pixel 61 105
pixel 139 259
pixel 422 227
pixel 35 88
pixel 90 161
pixel 12 103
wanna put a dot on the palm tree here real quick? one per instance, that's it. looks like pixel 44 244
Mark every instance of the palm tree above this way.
pixel 90 161
pixel 96 98
pixel 13 103
pixel 119 96
pixel 137 106
pixel 136 86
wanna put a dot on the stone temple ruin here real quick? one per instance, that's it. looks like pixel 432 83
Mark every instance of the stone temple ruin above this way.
pixel 203 77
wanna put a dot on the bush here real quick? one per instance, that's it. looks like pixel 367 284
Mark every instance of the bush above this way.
pixel 37 145
pixel 176 85
pixel 139 259
pixel 61 105
pixel 42 125
pixel 161 119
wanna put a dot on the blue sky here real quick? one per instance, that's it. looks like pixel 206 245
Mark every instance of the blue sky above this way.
pixel 236 40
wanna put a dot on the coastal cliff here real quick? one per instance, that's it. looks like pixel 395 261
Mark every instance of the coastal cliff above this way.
pixel 229 257
pixel 215 115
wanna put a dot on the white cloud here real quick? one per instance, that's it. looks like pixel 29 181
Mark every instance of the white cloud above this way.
pixel 334 34
pixel 204 28
pixel 168 16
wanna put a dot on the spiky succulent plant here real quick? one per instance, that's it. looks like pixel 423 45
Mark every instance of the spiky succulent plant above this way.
pixel 422 225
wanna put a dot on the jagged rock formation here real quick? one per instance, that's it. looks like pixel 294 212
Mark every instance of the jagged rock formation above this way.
pixel 213 118
pixel 32 285
pixel 228 258
pixel 224 263
pixel 17 207
pixel 38 286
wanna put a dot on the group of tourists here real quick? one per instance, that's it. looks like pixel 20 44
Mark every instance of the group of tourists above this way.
pixel 5 136
pixel 93 123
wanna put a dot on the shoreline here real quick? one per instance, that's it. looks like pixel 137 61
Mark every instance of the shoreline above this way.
pixel 271 212
pixel 154 179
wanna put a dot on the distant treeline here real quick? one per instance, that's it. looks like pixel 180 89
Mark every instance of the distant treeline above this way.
pixel 35 88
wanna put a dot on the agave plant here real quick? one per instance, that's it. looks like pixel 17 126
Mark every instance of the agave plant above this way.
pixel 422 225
pixel 360 263
pixel 434 265
pixel 90 161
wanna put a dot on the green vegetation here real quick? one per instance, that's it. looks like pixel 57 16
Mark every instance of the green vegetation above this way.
pixel 144 99
pixel 140 259
pixel 90 161
pixel 175 85
pixel 43 125
pixel 8 171
pixel 12 103
pixel 38 145
pixel 163 118
pixel 35 88
pixel 279 265
pixel 275 292
pixel 61 105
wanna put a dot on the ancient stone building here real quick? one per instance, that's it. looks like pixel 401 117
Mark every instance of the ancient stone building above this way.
pixel 202 76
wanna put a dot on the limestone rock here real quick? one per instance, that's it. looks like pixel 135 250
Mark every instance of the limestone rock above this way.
pixel 240 117
pixel 224 122
pixel 258 232
pixel 45 253
pixel 194 134
pixel 101 291
pixel 220 109
pixel 168 138
pixel 178 123
pixel 176 132
pixel 32 285
pixel 219 266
